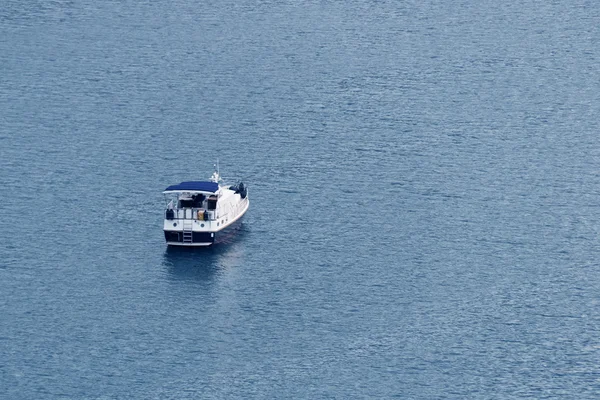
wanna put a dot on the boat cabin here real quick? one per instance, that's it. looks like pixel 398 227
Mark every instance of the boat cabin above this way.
pixel 192 201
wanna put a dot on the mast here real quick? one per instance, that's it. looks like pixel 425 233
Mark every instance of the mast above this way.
pixel 216 176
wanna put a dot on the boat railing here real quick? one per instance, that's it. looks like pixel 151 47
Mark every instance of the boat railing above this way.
pixel 202 214
pixel 199 214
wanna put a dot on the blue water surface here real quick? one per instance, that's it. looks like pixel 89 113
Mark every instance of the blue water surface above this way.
pixel 424 180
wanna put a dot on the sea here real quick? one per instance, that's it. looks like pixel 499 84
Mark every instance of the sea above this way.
pixel 424 184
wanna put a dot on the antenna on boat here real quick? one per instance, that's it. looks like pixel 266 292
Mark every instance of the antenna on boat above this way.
pixel 216 177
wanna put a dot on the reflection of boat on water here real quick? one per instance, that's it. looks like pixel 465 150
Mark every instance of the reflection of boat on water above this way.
pixel 200 213
pixel 183 263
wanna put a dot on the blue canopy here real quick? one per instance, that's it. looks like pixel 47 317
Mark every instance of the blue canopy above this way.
pixel 194 186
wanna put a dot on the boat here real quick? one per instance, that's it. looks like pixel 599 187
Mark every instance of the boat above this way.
pixel 199 212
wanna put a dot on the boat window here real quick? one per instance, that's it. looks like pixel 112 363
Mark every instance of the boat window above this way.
pixel 186 203
pixel 211 203
pixel 197 200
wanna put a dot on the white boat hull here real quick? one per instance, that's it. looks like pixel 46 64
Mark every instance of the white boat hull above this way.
pixel 202 233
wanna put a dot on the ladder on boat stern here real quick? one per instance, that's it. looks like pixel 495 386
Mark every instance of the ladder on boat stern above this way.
pixel 188 234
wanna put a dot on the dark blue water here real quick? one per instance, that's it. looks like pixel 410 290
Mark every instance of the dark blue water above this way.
pixel 424 179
